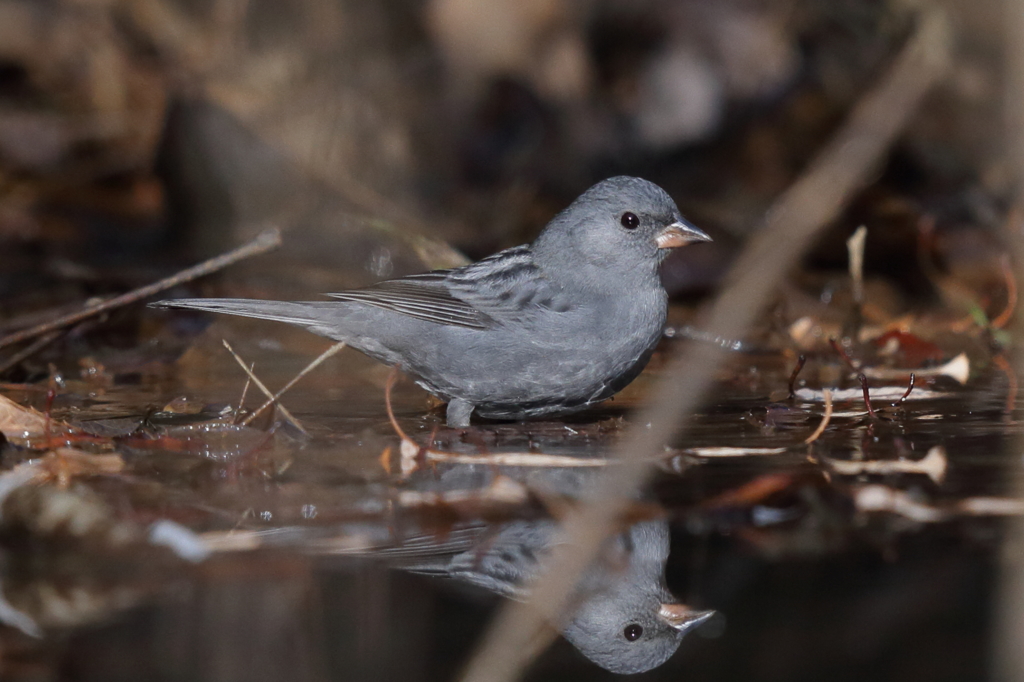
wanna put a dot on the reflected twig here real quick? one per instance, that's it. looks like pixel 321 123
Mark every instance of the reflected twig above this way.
pixel 933 465
pixel 882 498
pixel 825 419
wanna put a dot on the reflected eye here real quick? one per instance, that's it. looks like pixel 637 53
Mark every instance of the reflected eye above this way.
pixel 629 221
pixel 632 632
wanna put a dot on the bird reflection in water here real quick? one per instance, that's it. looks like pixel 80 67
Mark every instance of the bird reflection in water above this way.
pixel 623 617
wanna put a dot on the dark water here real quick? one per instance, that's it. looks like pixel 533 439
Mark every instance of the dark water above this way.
pixel 807 585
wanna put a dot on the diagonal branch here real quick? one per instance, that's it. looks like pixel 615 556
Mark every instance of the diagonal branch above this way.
pixel 840 169
pixel 266 241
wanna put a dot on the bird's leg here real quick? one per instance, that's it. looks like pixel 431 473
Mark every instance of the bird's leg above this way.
pixel 458 413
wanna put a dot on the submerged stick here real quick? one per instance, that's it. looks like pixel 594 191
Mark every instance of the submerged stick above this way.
pixel 266 241
pixel 245 389
pixel 411 453
pixel 829 183
pixel 260 385
pixel 277 396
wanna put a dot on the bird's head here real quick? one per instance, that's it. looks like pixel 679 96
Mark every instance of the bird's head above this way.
pixel 625 619
pixel 630 633
pixel 620 225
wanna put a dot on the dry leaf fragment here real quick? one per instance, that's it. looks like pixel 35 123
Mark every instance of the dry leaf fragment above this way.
pixel 933 465
pixel 18 423
pixel 844 395
pixel 63 464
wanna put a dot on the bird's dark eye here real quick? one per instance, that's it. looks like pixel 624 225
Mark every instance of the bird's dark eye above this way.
pixel 629 221
pixel 632 632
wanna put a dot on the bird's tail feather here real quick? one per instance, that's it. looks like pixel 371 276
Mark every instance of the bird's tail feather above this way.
pixel 279 311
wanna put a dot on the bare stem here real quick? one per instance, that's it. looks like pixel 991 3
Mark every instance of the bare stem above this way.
pixel 266 241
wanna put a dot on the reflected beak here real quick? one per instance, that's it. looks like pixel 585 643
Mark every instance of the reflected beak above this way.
pixel 680 234
pixel 682 617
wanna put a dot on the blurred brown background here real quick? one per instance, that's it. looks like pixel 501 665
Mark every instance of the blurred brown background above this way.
pixel 381 134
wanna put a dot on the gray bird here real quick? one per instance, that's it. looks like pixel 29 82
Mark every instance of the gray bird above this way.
pixel 536 330
pixel 624 619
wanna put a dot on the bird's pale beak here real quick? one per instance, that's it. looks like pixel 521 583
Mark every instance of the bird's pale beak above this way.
pixel 680 234
pixel 682 617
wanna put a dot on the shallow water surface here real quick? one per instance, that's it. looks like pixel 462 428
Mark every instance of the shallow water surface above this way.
pixel 305 553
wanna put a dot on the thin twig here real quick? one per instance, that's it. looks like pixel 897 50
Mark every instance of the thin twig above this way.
pixel 260 385
pixel 245 389
pixel 867 395
pixel 829 183
pixel 910 387
pixel 800 362
pixel 264 242
pixel 30 350
pixel 309 368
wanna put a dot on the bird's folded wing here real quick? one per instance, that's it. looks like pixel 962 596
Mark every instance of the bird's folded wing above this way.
pixel 431 552
pixel 507 286
pixel 498 558
pixel 501 287
pixel 421 296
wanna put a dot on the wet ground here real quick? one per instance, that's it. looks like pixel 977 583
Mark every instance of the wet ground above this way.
pixel 869 553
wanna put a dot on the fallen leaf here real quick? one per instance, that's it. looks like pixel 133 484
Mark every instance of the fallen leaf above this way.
pixel 18 423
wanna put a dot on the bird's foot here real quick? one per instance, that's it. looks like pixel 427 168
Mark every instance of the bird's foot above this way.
pixel 458 413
